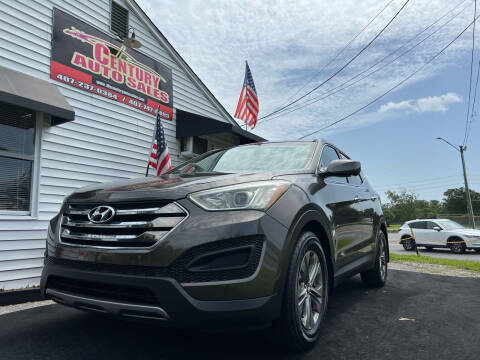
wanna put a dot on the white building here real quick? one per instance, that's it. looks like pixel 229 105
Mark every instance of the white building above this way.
pixel 55 137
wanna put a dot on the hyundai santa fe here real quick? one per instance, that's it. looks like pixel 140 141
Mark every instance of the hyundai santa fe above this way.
pixel 252 236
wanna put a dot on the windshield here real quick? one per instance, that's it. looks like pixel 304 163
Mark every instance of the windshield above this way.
pixel 252 158
pixel 450 225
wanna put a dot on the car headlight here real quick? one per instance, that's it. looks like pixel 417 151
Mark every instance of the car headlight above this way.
pixel 255 195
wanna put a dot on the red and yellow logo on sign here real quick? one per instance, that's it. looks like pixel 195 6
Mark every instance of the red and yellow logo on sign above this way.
pixel 122 70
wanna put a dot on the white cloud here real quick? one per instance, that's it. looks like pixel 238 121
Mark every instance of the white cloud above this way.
pixel 421 105
pixel 437 103
pixel 287 42
pixel 393 106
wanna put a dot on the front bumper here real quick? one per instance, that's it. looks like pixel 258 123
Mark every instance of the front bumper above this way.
pixel 172 305
pixel 473 244
pixel 172 297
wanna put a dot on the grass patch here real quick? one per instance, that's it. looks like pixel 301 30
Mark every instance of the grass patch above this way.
pixel 452 263
pixel 393 227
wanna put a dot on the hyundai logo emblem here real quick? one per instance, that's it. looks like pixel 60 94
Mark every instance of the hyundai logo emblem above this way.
pixel 101 214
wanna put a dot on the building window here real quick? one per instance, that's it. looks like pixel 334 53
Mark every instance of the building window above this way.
pixel 119 20
pixel 17 149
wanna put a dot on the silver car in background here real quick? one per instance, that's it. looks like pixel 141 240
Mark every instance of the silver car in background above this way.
pixel 439 233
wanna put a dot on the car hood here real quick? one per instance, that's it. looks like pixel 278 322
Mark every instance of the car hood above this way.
pixel 165 187
pixel 467 232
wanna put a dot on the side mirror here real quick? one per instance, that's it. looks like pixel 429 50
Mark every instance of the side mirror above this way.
pixel 342 168
pixel 438 228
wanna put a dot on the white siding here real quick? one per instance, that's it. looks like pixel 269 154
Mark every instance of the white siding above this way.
pixel 106 141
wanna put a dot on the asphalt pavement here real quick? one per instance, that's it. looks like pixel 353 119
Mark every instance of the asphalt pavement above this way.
pixel 416 316
pixel 395 247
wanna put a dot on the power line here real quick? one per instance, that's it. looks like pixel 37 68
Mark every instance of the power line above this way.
pixel 341 51
pixel 473 106
pixel 471 71
pixel 419 182
pixel 425 188
pixel 392 88
pixel 341 86
pixel 342 68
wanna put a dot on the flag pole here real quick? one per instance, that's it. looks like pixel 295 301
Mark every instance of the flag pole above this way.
pixel 151 143
pixel 246 96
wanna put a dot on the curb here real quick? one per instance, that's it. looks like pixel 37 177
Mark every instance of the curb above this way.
pixel 20 296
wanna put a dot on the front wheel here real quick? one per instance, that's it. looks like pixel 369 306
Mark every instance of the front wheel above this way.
pixel 377 276
pixel 306 294
pixel 457 246
pixel 408 244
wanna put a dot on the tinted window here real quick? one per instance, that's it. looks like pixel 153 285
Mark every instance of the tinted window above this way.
pixel 328 155
pixel 419 225
pixel 431 225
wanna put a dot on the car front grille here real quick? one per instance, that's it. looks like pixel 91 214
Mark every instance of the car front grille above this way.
pixel 132 225
pixel 178 270
pixel 133 294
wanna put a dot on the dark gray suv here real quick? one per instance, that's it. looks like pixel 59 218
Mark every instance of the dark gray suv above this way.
pixel 251 236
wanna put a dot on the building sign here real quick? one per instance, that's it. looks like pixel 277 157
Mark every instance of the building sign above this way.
pixel 90 60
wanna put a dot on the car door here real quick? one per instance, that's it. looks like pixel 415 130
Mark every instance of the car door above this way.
pixel 419 228
pixel 339 199
pixel 430 236
pixel 364 204
pixel 439 238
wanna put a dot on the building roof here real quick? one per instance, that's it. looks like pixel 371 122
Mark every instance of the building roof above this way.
pixel 178 58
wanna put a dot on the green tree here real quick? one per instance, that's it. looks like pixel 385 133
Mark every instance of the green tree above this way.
pixel 454 201
pixel 402 205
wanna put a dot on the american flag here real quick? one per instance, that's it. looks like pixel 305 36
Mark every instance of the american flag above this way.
pixel 247 107
pixel 160 157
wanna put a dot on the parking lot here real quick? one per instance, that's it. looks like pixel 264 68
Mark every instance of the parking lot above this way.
pixel 416 316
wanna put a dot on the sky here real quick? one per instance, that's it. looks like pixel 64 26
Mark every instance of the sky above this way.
pixel 287 43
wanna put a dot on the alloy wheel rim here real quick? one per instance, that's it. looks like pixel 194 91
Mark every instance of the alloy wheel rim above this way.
pixel 310 291
pixel 383 260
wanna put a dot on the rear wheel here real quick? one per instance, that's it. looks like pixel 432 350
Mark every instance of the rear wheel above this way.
pixel 457 246
pixel 408 244
pixel 377 276
pixel 306 294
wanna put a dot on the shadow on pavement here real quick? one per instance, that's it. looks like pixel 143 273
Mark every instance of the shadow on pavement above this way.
pixel 362 323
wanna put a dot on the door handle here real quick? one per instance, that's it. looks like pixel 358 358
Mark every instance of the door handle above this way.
pixel 373 198
pixel 356 199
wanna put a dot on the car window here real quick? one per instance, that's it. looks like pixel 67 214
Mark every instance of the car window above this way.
pixel 418 225
pixel 431 225
pixel 328 155
pixel 262 157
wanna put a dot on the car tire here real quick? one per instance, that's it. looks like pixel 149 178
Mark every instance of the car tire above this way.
pixel 377 276
pixel 300 323
pixel 409 244
pixel 477 250
pixel 457 245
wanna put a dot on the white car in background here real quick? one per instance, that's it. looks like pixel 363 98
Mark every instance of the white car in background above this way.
pixel 439 233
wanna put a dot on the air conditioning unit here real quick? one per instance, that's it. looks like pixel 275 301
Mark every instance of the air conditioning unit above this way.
pixel 192 146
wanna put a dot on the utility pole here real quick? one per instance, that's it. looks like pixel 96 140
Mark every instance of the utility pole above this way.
pixel 467 190
pixel 462 149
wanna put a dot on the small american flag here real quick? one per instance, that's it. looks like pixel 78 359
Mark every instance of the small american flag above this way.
pixel 247 107
pixel 160 157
